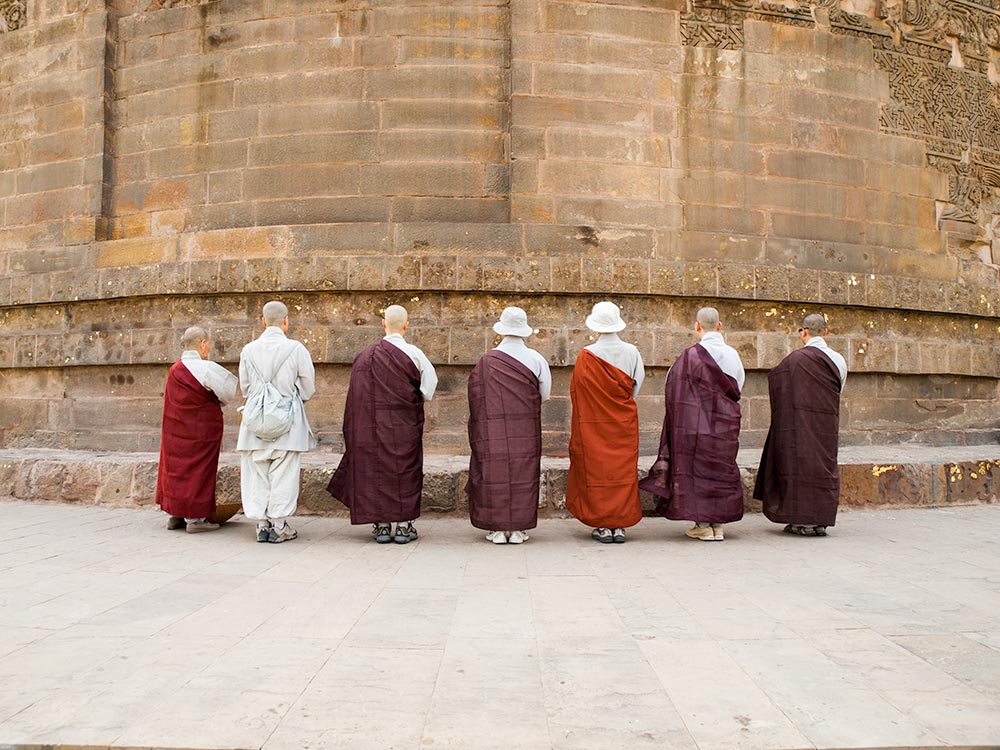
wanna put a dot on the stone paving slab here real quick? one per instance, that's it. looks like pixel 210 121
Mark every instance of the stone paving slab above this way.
pixel 117 633
pixel 886 475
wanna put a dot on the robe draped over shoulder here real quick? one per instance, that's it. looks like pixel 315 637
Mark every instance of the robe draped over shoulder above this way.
pixel 505 435
pixel 799 480
pixel 695 477
pixel 602 489
pixel 191 437
pixel 380 477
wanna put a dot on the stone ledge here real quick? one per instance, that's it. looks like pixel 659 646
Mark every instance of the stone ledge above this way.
pixel 884 476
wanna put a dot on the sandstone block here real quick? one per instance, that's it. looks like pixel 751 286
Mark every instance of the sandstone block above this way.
pixel 320 116
pixel 299 87
pixel 430 179
pixel 440 145
pixel 435 82
pixel 326 148
pixel 549 111
pixel 612 180
pixel 632 23
pixel 458 209
pixel 558 79
pixel 802 226
pixel 290 182
pixel 470 115
pixel 489 52
pixel 346 209
pixel 723 219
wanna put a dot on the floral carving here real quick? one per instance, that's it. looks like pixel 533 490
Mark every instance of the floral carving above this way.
pixel 13 14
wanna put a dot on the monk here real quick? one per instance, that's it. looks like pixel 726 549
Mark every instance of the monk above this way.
pixel 381 475
pixel 602 489
pixel 799 479
pixel 191 434
pixel 506 391
pixel 695 477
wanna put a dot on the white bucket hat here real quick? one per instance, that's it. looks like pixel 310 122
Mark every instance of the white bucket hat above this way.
pixel 605 318
pixel 513 322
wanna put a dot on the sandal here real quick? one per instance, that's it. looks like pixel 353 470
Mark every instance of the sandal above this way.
pixel 801 530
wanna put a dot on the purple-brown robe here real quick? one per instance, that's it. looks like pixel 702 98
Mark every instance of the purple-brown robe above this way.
pixel 381 475
pixel 505 435
pixel 695 477
pixel 799 479
pixel 191 437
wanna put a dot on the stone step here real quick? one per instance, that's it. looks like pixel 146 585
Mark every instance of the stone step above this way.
pixel 871 476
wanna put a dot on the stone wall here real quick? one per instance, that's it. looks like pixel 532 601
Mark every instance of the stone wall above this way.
pixel 170 163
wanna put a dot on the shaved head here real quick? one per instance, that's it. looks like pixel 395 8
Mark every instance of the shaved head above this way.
pixel 193 336
pixel 395 319
pixel 275 313
pixel 708 317
pixel 815 323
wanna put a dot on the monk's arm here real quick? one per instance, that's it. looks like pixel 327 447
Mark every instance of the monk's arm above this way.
pixel 306 382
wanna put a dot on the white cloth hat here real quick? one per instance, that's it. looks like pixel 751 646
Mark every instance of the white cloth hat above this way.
pixel 605 318
pixel 513 322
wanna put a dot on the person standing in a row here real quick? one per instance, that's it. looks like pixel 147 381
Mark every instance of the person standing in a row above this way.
pixel 506 391
pixel 602 488
pixel 381 476
pixel 191 434
pixel 695 477
pixel 799 478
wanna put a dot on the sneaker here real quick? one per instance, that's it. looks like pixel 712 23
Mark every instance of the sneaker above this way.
pixel 196 527
pixel 820 530
pixel 263 534
pixel 618 536
pixel 497 537
pixel 174 523
pixel 719 534
pixel 518 537
pixel 382 532
pixel 405 533
pixel 602 535
pixel 287 534
pixel 706 534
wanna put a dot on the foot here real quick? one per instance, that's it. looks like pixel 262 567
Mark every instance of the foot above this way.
pixel 497 537
pixel 405 533
pixel 174 523
pixel 602 535
pixel 798 530
pixel 263 534
pixel 820 530
pixel 196 527
pixel 382 532
pixel 286 534
pixel 706 534
pixel 618 536
pixel 719 534
pixel 518 537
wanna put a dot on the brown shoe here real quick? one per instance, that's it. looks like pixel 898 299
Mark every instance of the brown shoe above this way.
pixel 174 523
pixel 196 527
pixel 706 534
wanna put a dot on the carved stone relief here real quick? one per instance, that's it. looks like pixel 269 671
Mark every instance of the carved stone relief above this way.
pixel 941 57
pixel 13 14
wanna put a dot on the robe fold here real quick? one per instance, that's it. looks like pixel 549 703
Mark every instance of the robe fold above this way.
pixel 505 435
pixel 191 437
pixel 799 480
pixel 695 477
pixel 380 477
pixel 602 489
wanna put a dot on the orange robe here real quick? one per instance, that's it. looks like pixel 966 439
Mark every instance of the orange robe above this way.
pixel 603 486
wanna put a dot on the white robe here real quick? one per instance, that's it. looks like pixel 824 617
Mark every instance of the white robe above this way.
pixel 296 377
pixel 836 357
pixel 428 377
pixel 212 376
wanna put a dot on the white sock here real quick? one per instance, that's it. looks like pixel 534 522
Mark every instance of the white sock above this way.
pixel 193 520
pixel 279 525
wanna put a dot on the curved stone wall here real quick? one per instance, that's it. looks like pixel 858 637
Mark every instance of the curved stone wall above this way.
pixel 164 166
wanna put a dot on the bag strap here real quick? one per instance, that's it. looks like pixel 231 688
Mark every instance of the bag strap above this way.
pixel 274 373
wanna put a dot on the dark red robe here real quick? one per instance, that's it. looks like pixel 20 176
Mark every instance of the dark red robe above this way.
pixel 191 437
pixel 799 478
pixel 695 477
pixel 505 435
pixel 381 475
pixel 603 489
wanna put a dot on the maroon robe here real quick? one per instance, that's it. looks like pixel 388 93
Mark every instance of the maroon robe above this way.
pixel 602 488
pixel 381 475
pixel 505 435
pixel 695 477
pixel 799 479
pixel 191 437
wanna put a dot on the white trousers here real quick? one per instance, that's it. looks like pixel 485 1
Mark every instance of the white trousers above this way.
pixel 269 483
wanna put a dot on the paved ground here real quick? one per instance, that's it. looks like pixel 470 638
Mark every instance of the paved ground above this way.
pixel 114 631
